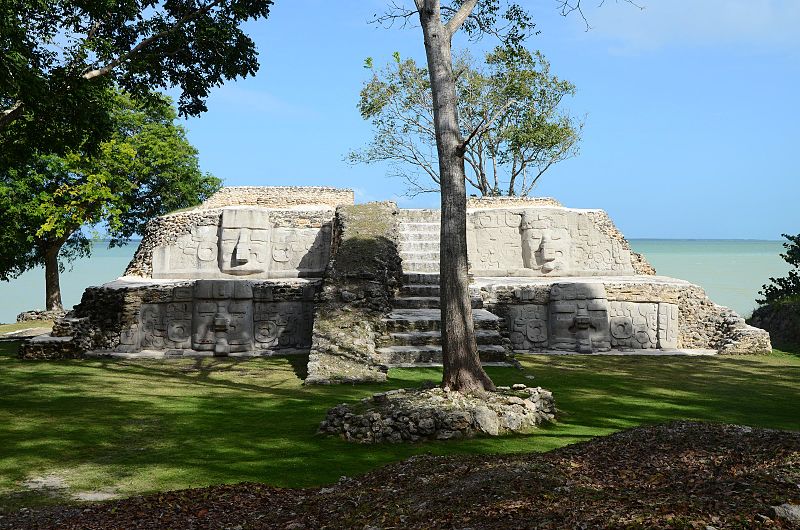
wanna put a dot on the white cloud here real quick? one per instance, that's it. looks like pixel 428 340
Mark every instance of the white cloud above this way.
pixel 761 24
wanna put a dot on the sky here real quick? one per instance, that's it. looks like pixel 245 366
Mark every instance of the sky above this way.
pixel 691 110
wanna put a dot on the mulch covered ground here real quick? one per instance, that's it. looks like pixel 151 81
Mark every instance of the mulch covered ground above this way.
pixel 680 475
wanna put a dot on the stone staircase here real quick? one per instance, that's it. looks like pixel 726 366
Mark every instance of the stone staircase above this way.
pixel 413 328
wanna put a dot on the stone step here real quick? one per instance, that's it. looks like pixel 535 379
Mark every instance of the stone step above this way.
pixel 420 255
pixel 426 302
pixel 418 236
pixel 420 266
pixel 431 319
pixel 401 355
pixel 418 289
pixel 430 228
pixel 421 278
pixel 47 347
pixel 419 246
pixel 429 215
pixel 433 338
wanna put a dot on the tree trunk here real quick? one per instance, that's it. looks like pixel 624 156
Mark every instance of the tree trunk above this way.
pixel 51 278
pixel 462 368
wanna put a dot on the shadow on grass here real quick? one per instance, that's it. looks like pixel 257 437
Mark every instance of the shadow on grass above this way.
pixel 141 426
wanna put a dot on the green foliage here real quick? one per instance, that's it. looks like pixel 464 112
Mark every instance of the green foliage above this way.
pixel 511 103
pixel 788 287
pixel 140 426
pixel 60 57
pixel 146 168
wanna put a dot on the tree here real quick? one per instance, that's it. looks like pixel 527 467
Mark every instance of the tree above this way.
pixel 513 92
pixel 789 286
pixel 462 368
pixel 59 57
pixel 146 168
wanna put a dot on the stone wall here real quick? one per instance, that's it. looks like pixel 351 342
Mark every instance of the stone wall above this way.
pixel 547 241
pixel 183 316
pixel 206 243
pixel 279 196
pixel 360 282
pixel 510 202
pixel 641 314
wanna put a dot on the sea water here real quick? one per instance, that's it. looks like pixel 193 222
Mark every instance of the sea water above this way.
pixel 731 271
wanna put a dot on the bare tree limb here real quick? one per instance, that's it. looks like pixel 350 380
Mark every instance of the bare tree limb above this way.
pixel 397 13
pixel 457 20
pixel 567 7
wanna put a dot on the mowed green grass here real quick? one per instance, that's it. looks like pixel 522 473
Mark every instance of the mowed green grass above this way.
pixel 130 427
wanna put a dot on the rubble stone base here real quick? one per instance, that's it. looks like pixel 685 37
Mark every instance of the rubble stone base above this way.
pixel 436 413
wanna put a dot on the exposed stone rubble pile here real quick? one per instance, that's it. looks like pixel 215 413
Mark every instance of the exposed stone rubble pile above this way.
pixel 436 413
pixel 38 314
pixel 736 337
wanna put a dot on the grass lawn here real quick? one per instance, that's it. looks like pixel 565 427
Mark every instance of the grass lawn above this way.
pixel 129 427
pixel 16 326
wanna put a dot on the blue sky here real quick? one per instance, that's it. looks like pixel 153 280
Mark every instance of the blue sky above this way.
pixel 691 110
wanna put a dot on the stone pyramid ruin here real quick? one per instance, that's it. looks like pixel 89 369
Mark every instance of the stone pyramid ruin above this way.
pixel 259 271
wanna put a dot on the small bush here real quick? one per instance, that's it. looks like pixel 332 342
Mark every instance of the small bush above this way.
pixel 788 287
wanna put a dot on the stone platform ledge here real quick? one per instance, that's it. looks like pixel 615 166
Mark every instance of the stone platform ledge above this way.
pixel 192 354
pixel 289 208
pixel 136 282
pixel 625 353
pixel 495 282
pixel 501 364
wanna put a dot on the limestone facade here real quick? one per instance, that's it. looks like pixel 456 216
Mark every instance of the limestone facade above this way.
pixel 546 241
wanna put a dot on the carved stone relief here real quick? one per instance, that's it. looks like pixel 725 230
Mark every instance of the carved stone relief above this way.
pixel 541 242
pixel 667 326
pixel 221 316
pixel 578 319
pixel 527 325
pixel 633 325
pixel 283 325
pixel 245 243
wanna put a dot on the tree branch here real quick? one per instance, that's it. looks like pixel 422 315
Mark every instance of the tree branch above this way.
pixel 457 20
pixel 149 40
pixel 9 115
pixel 485 124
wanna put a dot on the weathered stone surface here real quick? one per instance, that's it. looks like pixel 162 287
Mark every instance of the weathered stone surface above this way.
pixel 246 242
pixel 360 282
pixel 578 317
pixel 787 512
pixel 435 413
pixel 40 314
pixel 279 196
pixel 543 241
pixel 684 319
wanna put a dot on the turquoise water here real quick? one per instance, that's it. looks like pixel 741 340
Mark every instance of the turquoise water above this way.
pixel 731 271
